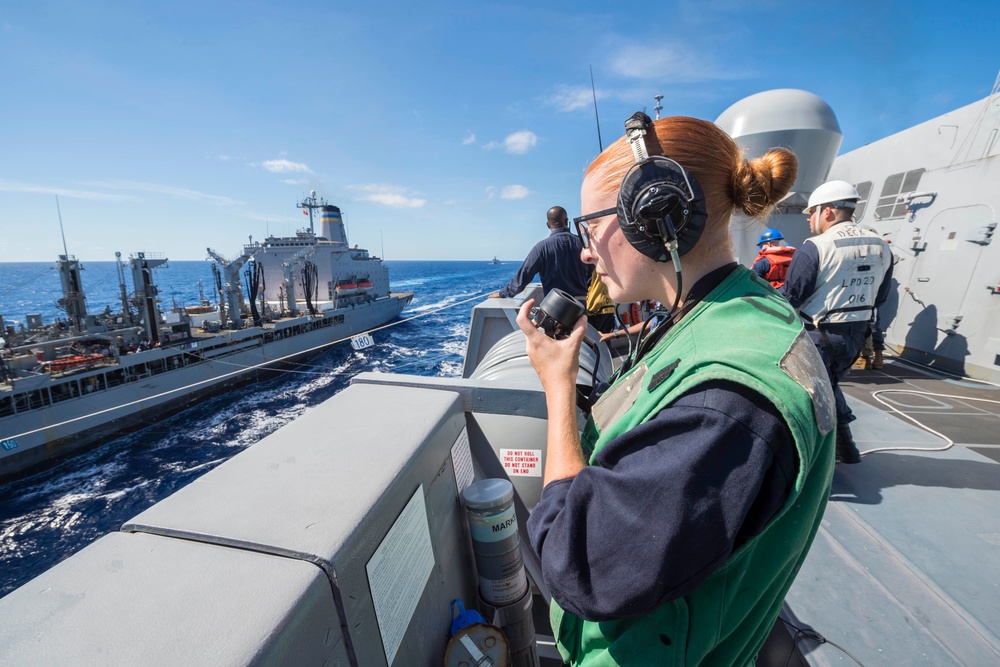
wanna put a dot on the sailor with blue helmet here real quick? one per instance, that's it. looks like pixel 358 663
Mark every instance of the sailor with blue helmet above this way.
pixel 772 262
pixel 769 234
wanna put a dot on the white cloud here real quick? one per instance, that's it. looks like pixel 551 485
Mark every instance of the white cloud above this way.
pixel 517 143
pixel 168 190
pixel 469 139
pixel 645 68
pixel 573 98
pixel 520 143
pixel 284 166
pixel 507 192
pixel 295 181
pixel 127 186
pixel 394 196
pixel 514 192
pixel 14 186
pixel 670 64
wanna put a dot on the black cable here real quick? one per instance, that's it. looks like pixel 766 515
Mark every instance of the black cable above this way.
pixel 813 635
pixel 644 345
pixel 586 401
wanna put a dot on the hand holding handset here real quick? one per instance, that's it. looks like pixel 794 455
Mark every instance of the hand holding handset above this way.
pixel 555 317
pixel 557 314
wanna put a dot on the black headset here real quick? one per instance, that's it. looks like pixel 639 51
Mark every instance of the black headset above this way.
pixel 661 206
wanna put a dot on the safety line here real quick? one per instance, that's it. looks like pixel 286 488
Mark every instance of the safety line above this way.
pixel 949 443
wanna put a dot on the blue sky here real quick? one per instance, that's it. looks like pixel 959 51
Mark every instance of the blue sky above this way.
pixel 444 130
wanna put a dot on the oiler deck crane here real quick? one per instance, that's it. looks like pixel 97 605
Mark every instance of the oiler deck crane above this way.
pixel 288 268
pixel 231 273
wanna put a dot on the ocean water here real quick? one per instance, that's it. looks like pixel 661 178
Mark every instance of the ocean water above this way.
pixel 50 515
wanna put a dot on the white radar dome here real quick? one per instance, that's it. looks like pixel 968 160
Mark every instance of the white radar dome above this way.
pixel 788 118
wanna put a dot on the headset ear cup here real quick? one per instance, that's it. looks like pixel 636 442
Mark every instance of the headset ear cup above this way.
pixel 655 190
pixel 649 244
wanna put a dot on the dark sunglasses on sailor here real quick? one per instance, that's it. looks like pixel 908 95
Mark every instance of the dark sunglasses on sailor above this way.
pixel 583 229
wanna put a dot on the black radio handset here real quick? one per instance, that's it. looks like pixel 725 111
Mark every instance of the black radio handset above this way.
pixel 557 313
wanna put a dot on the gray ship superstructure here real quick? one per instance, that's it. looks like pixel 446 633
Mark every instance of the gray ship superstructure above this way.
pixel 73 384
pixel 932 191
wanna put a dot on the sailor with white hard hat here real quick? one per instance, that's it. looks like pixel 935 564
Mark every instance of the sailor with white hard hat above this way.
pixel 836 280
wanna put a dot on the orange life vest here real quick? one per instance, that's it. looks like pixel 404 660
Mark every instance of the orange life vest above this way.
pixel 779 257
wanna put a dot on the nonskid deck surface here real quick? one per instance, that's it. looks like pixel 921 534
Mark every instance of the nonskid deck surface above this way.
pixel 964 410
pixel 904 567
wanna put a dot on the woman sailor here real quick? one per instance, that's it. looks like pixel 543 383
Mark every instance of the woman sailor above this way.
pixel 670 531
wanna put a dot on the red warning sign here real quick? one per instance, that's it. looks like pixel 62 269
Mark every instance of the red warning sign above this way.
pixel 522 462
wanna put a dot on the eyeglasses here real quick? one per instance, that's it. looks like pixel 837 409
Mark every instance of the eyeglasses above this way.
pixel 583 229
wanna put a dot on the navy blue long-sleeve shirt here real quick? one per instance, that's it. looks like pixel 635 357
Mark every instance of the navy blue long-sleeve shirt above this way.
pixel 556 259
pixel 800 281
pixel 668 504
pixel 761 267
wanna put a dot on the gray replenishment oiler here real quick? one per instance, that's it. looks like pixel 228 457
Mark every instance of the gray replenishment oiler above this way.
pixel 294 552
pixel 70 385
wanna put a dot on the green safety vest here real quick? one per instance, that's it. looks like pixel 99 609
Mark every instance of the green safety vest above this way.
pixel 744 332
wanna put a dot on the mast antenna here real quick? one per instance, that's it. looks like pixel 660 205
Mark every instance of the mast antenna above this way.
pixel 61 231
pixel 593 90
pixel 659 107
pixel 311 203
